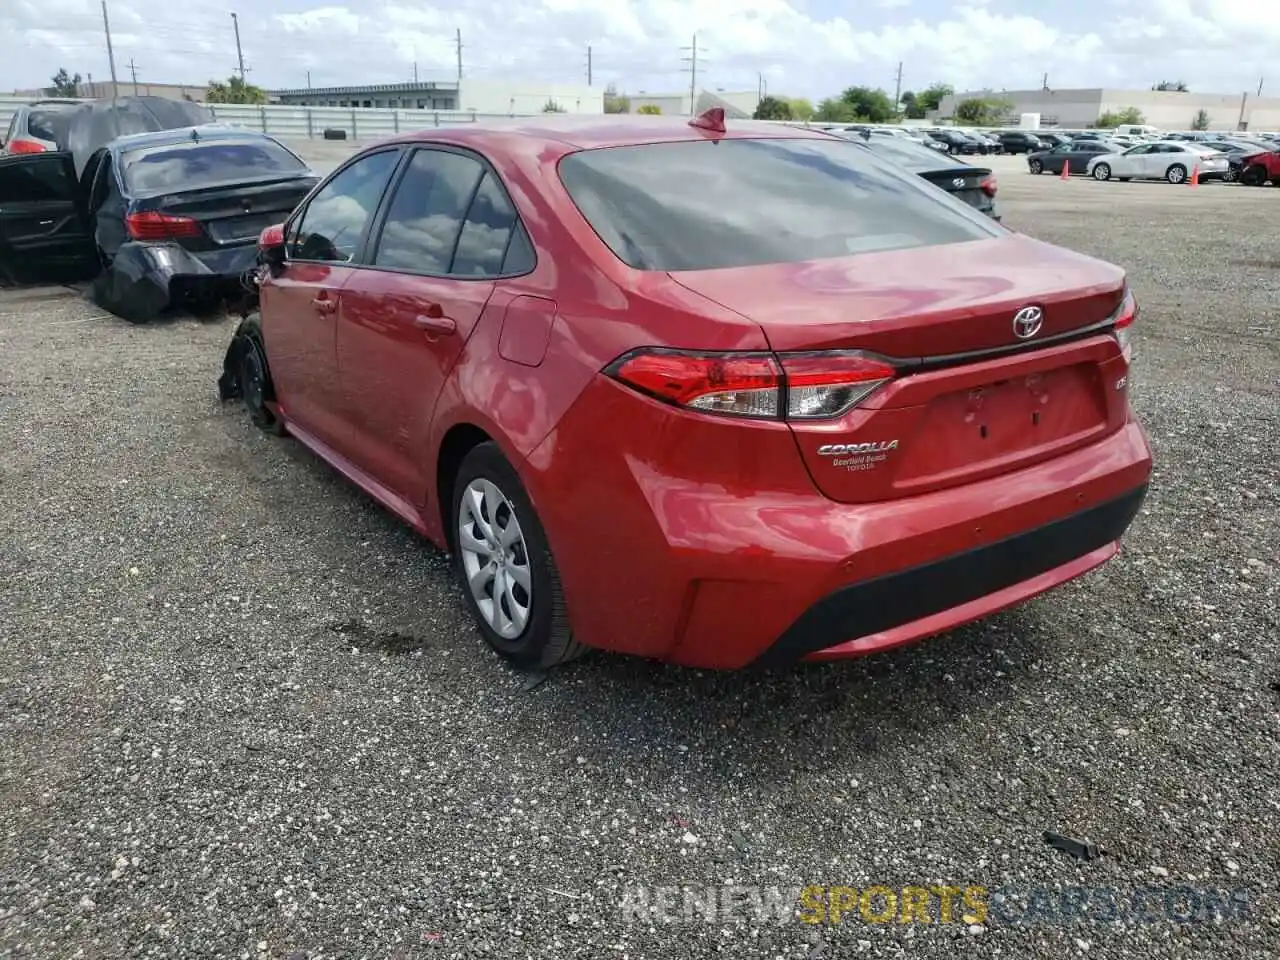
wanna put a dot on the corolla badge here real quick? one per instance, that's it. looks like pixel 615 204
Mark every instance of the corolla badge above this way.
pixel 1027 322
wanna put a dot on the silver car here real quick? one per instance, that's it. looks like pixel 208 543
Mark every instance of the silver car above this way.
pixel 33 128
pixel 1172 160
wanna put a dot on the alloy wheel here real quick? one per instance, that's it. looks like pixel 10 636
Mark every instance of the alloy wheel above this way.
pixel 495 558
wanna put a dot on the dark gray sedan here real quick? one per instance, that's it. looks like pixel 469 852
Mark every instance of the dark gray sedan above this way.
pixel 1074 155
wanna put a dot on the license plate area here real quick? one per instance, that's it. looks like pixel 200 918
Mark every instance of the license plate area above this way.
pixel 969 429
pixel 243 228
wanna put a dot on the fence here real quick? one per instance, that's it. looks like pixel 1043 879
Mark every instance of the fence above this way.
pixel 359 123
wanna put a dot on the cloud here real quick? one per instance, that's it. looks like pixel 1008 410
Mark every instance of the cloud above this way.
pixel 801 47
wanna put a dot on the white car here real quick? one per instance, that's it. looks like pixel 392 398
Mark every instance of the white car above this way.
pixel 1172 160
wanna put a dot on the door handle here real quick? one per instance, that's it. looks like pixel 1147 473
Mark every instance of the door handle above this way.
pixel 324 304
pixel 434 324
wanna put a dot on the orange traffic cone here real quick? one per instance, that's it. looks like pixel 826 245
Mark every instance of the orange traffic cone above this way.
pixel 1195 175
pixel 1066 169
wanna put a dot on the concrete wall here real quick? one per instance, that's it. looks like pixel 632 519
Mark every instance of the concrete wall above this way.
pixel 671 105
pixel 1057 108
pixel 495 96
pixel 1160 108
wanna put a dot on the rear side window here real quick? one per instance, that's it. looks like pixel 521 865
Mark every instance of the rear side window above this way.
pixel 486 232
pixel 43 124
pixel 707 204
pixel 334 222
pixel 190 166
pixel 34 179
pixel 426 212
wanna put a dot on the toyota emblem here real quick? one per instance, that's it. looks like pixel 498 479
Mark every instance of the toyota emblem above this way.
pixel 1027 322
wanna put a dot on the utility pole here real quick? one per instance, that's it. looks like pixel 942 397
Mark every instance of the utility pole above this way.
pixel 1044 82
pixel 897 89
pixel 415 71
pixel 692 60
pixel 1244 99
pixel 308 79
pixel 458 42
pixel 111 57
pixel 133 69
pixel 1260 79
pixel 239 53
pixel 588 66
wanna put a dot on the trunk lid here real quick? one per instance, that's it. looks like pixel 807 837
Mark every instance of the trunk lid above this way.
pixel 235 214
pixel 972 400
pixel 963 183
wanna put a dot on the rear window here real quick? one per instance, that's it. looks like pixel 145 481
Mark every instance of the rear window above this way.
pixel 708 204
pixel 190 166
pixel 44 123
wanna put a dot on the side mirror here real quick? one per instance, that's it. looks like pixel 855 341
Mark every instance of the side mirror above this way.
pixel 271 247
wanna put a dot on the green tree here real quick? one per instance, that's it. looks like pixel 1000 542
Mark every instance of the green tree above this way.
pixel 772 108
pixel 983 111
pixel 64 85
pixel 869 104
pixel 235 90
pixel 552 107
pixel 930 98
pixel 832 110
pixel 1172 86
pixel 911 108
pixel 1201 120
pixel 801 109
pixel 1128 115
pixel 650 109
pixel 615 102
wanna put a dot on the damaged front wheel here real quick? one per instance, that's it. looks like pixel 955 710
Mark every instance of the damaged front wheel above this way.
pixel 246 376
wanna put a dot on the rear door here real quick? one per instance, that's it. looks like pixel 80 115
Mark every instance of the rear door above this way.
pixel 300 304
pixel 446 234
pixel 42 225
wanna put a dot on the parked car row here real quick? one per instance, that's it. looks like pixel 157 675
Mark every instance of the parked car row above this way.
pixel 1250 161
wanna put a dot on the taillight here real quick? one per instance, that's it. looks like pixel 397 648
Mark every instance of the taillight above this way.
pixel 152 225
pixel 25 146
pixel 824 385
pixel 1122 322
pixel 988 185
pixel 759 386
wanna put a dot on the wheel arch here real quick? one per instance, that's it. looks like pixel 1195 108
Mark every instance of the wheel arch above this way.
pixel 459 440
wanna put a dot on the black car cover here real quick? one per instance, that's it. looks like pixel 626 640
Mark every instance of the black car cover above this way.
pixel 95 124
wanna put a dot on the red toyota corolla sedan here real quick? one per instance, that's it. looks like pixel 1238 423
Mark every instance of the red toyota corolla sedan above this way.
pixel 713 396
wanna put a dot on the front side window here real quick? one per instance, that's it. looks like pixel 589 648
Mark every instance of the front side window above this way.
pixel 706 204
pixel 335 220
pixel 35 179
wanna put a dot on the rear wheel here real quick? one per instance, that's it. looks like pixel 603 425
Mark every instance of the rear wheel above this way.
pixel 1254 175
pixel 1035 166
pixel 505 567
pixel 1176 173
pixel 1102 172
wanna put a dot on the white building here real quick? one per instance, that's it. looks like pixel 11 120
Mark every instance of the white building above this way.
pixel 480 96
pixel 1165 109
pixel 738 104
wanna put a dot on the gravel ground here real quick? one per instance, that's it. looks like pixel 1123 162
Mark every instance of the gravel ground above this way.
pixel 243 712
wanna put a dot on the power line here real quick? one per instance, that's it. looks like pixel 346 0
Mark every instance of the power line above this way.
pixel 692 60
pixel 235 22
pixel 133 69
pixel 111 56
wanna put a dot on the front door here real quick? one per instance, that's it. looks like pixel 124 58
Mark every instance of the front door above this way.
pixel 445 237
pixel 300 304
pixel 43 232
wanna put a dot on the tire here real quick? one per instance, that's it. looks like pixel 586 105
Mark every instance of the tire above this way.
pixel 247 376
pixel 1176 174
pixel 1035 166
pixel 1102 171
pixel 1254 175
pixel 1229 176
pixel 529 626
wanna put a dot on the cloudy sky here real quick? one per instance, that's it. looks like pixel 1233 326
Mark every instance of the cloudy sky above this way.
pixel 801 47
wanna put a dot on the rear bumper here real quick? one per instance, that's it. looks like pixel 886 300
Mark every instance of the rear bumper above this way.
pixel 900 607
pixel 747 562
